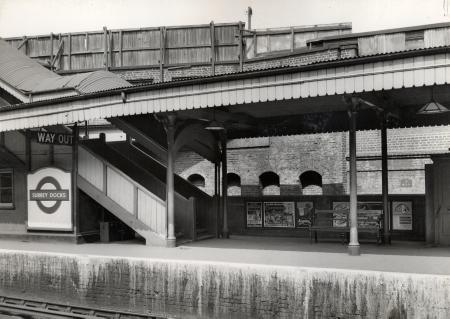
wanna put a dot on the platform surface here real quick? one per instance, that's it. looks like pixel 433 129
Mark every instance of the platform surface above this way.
pixel 406 257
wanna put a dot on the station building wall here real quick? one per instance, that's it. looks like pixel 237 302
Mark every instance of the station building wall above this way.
pixel 13 219
pixel 326 154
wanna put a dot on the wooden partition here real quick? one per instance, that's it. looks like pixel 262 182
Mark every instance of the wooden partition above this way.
pixel 130 48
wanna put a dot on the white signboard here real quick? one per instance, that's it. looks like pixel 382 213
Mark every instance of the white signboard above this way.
pixel 402 215
pixel 49 199
pixel 254 214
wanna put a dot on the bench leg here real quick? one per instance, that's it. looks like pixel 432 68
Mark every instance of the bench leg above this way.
pixel 315 236
pixel 343 237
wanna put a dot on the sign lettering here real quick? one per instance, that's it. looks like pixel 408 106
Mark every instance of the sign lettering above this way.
pixel 52 138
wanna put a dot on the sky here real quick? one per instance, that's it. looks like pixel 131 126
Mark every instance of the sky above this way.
pixel 34 17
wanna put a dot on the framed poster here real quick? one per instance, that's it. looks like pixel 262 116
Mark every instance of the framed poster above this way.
pixel 340 215
pixel 304 213
pixel 402 215
pixel 49 193
pixel 369 213
pixel 279 214
pixel 254 214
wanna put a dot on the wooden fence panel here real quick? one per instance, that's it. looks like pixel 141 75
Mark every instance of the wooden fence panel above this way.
pixel 135 47
pixel 227 53
pixel 140 39
pixel 39 47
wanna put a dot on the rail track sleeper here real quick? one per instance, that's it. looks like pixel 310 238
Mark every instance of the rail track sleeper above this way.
pixel 18 306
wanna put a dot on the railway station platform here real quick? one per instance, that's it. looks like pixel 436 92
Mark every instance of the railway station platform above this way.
pixel 241 277
pixel 400 256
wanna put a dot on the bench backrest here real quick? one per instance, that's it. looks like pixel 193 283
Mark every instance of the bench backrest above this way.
pixel 339 218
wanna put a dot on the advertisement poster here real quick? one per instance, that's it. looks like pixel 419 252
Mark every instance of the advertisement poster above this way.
pixel 254 214
pixel 368 214
pixel 49 193
pixel 340 215
pixel 279 214
pixel 304 214
pixel 402 215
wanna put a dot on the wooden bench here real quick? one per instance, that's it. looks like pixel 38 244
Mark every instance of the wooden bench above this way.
pixel 336 221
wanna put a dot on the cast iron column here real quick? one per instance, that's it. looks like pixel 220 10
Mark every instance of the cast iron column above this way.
pixel 385 180
pixel 225 233
pixel 170 207
pixel 75 199
pixel 353 246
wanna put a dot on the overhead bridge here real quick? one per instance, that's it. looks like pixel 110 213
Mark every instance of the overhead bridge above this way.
pixel 131 185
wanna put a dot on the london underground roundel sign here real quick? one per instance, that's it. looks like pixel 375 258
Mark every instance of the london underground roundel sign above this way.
pixel 49 199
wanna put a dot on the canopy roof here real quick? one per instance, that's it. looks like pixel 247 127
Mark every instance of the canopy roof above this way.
pixel 22 76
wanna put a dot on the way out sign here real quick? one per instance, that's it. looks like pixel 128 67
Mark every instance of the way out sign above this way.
pixel 49 199
pixel 45 137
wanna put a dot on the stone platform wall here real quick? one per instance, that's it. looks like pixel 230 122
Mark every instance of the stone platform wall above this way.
pixel 217 290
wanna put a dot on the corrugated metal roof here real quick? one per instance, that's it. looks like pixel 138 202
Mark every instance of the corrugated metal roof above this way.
pixel 29 77
pixel 84 82
pixel 272 70
pixel 19 71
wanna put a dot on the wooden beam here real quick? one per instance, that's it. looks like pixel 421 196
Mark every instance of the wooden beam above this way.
pixel 141 138
pixel 121 48
pixel 162 53
pixel 58 54
pixel 111 44
pixel 292 39
pixel 105 48
pixel 213 48
pixel 22 43
pixel 51 51
pixel 69 39
pixel 203 150
pixel 201 141
pixel 241 47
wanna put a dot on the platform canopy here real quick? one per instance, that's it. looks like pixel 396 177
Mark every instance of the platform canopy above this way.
pixel 403 82
pixel 397 71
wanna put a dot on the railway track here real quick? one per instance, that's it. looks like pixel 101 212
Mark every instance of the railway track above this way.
pixel 11 307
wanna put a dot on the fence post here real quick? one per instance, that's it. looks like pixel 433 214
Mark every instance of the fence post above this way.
pixel 69 39
pixel 213 48
pixel 241 47
pixel 105 48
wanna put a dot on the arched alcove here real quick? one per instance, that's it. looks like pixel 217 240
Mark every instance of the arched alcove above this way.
pixel 311 183
pixel 270 183
pixel 234 184
pixel 197 180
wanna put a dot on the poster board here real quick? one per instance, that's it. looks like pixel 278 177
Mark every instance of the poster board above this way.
pixel 304 213
pixel 279 214
pixel 368 214
pixel 49 199
pixel 254 214
pixel 402 215
pixel 340 215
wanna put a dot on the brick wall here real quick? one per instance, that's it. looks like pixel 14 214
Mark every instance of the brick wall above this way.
pixel 290 156
pixel 189 70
